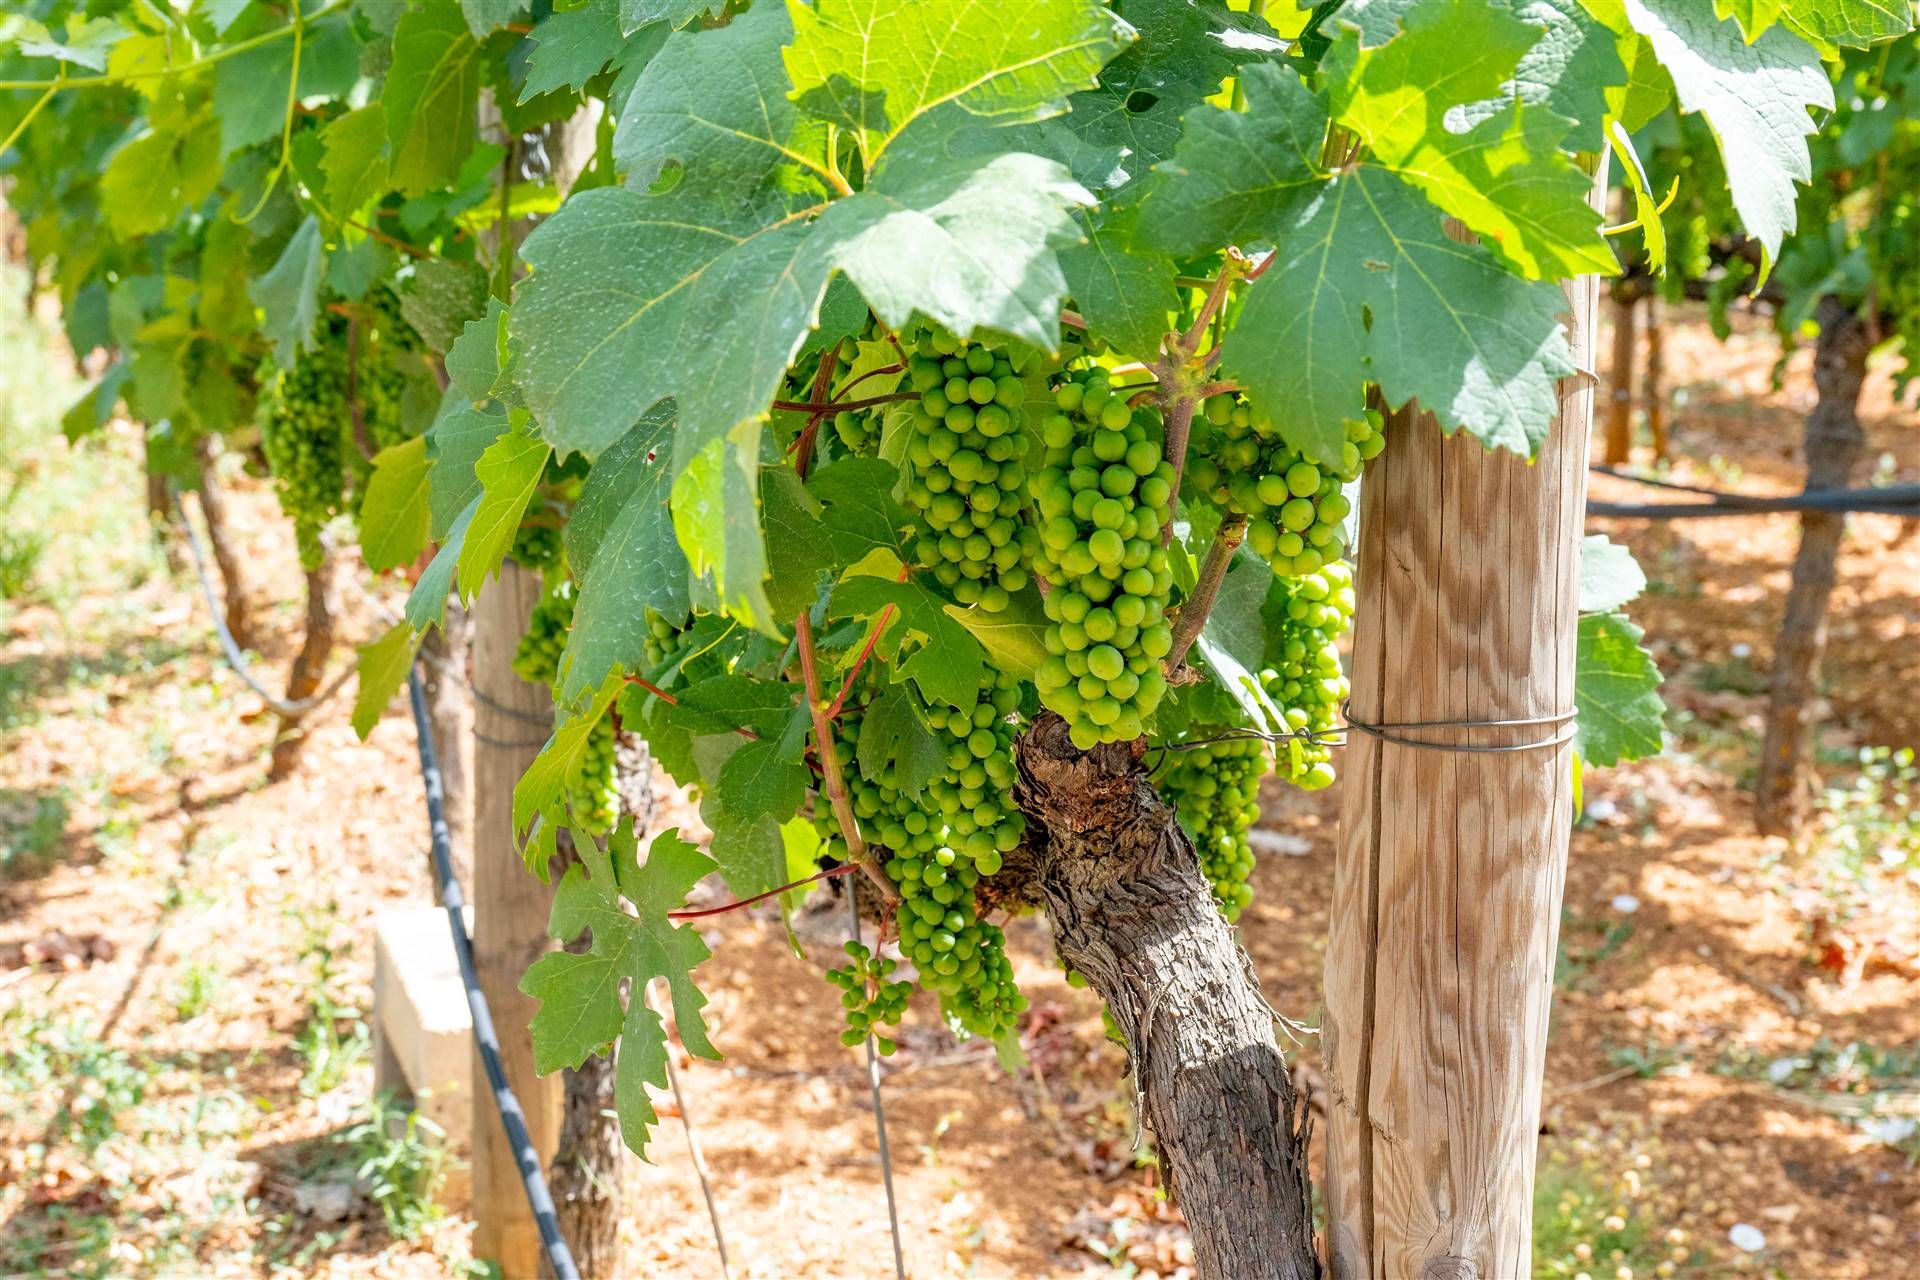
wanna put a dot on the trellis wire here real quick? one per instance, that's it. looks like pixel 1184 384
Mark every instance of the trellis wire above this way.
pixel 879 1107
pixel 512 1118
pixel 695 1154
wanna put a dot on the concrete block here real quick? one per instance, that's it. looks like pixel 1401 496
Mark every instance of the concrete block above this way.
pixel 422 1028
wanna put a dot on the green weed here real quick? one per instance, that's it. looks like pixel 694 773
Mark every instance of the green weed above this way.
pixel 1601 1213
pixel 33 829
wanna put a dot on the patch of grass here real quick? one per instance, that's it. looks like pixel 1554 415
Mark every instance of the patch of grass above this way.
pixel 91 1083
pixel 1870 823
pixel 33 830
pixel 1600 1211
pixel 1585 944
pixel 1877 1089
pixel 198 990
pixel 399 1162
pixel 1647 1060
pixel 334 1038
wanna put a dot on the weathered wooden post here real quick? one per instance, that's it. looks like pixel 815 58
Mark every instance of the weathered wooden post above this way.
pixel 1452 863
pixel 509 920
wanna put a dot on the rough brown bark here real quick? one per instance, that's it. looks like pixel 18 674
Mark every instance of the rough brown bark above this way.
pixel 445 651
pixel 1619 442
pixel 1132 913
pixel 1834 444
pixel 303 681
pixel 1653 388
pixel 233 582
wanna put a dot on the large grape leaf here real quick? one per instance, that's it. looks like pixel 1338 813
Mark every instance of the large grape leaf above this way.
pixel 1503 176
pixel 1568 70
pixel 355 163
pixel 1755 98
pixel 875 66
pixel 943 659
pixel 581 1008
pixel 152 179
pixel 431 98
pixel 1609 576
pixel 1856 24
pixel 625 558
pixel 751 787
pixel 859 513
pixel 509 471
pixel 455 442
pixel 383 665
pixel 427 602
pixel 1238 175
pixel 1124 290
pixel 394 514
pixel 715 502
pixel 1368 285
pixel 250 88
pixel 895 743
pixel 1616 690
pixel 484 15
pixel 571 46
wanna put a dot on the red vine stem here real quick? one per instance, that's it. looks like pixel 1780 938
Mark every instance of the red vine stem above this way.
pixel 738 903
pixel 672 701
pixel 835 406
pixel 830 775
pixel 1216 388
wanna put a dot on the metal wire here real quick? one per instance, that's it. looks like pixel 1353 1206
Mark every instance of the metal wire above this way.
pixel 1389 732
pixel 879 1107
pixel 513 713
pixel 512 1118
pixel 231 648
pixel 694 1151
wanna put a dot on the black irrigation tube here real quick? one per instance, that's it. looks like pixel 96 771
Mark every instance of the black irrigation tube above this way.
pixel 1892 500
pixel 512 1118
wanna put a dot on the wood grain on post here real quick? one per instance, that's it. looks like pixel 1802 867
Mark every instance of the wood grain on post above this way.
pixel 509 921
pixel 1452 866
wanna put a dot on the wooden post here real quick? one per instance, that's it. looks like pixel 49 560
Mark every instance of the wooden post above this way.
pixel 444 653
pixel 1834 443
pixel 509 920
pixel 1619 443
pixel 1452 866
pixel 1653 387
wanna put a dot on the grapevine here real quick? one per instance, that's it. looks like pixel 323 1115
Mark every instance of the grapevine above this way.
pixel 869 996
pixel 1104 496
pixel 1213 786
pixel 304 422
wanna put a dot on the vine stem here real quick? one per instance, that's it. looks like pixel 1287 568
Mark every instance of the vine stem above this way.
pixel 40 105
pixel 866 651
pixel 1179 411
pixel 672 701
pixel 738 903
pixel 830 774
pixel 835 406
pixel 1213 571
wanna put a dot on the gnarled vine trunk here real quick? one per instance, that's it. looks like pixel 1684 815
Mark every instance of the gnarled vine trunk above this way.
pixel 303 681
pixel 220 535
pixel 1131 911
pixel 1834 443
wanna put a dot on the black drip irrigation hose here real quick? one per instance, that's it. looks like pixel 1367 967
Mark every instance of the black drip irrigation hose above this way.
pixel 512 1118
pixel 1891 500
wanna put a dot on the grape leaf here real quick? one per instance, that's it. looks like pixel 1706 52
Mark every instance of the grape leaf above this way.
pixel 751 794
pixel 621 546
pixel 1503 177
pixel 455 442
pixel 356 159
pixel 865 66
pixel 1238 174
pixel 1124 292
pixel 149 181
pixel 945 662
pixel 383 665
pixel 581 1010
pixel 1368 286
pixel 1567 71
pixel 540 800
pixel 439 297
pixel 1616 690
pixel 288 295
pixel 635 14
pixel 250 88
pixel 394 514
pixel 473 361
pixel 571 46
pixel 1014 638
pixel 509 471
pixel 86 44
pixel 1609 578
pixel 432 94
pixel 485 15
pixel 860 513
pixel 1754 16
pixel 1755 98
pixel 894 739
pixel 796 553
pixel 715 503
pixel 427 602
pixel 1857 24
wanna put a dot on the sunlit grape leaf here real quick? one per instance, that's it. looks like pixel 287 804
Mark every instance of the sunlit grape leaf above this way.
pixel 485 15
pixel 924 644
pixel 796 553
pixel 716 517
pixel 150 180
pixel 288 295
pixel 1609 577
pixel 394 513
pixel 1368 285
pixel 454 443
pixel 1501 176
pixel 1238 175
pixel 1754 16
pixel 86 43
pixel 508 472
pixel 473 361
pixel 433 89
pixel 1014 638
pixel 383 666
pixel 581 1007
pixel 635 14
pixel 1616 689
pixel 874 66
pixel 860 513
pixel 427 602
pixel 571 46
pixel 1754 96
pixel 1567 71
pixel 625 558
pixel 1856 24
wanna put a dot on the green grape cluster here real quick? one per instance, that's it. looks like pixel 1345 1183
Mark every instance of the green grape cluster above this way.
pixel 661 641
pixel 941 844
pixel 1103 498
pixel 968 451
pixel 307 421
pixel 537 546
pixel 593 789
pixel 1306 682
pixel 1214 786
pixel 1295 509
pixel 869 997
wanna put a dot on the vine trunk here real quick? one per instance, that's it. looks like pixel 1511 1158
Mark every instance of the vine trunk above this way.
pixel 303 681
